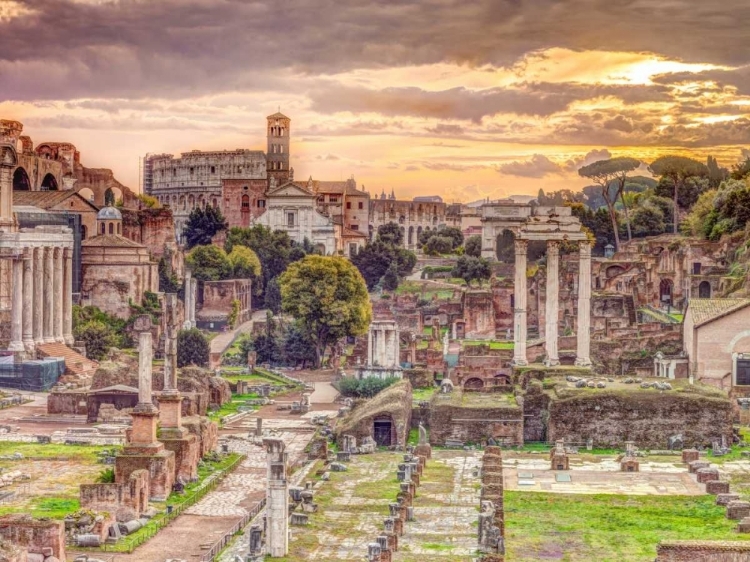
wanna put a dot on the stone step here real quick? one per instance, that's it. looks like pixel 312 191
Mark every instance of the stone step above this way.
pixel 75 363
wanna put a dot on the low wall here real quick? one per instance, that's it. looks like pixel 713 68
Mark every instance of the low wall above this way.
pixel 126 500
pixel 34 535
pixel 694 551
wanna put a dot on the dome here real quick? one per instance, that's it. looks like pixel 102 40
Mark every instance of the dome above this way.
pixel 109 214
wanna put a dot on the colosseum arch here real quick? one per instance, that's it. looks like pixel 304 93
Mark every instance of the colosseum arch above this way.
pixel 21 180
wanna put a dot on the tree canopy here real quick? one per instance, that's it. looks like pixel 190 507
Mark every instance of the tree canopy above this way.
pixel 327 296
pixel 202 225
pixel 472 269
pixel 676 170
pixel 391 233
pixel 473 246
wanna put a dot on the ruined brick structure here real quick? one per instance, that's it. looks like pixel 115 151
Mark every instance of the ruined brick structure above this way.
pixel 41 537
pixel 126 500
pixel 413 217
pixel 218 302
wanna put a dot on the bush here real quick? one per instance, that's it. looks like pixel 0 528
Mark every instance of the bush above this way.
pixel 365 388
pixel 473 246
pixel 192 348
pixel 106 476
pixel 437 245
pixel 98 337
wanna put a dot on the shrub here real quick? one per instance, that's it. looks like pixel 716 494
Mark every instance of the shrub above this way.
pixel 98 337
pixel 365 388
pixel 106 476
pixel 192 348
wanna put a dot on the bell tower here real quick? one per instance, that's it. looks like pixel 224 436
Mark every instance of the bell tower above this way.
pixel 277 155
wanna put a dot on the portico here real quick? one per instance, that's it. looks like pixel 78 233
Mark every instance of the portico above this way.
pixel 552 225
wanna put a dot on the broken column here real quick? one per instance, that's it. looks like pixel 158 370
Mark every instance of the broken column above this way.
pixel 630 463
pixel 277 499
pixel 552 304
pixel 491 529
pixel 143 450
pixel 176 438
pixel 424 449
pixel 558 457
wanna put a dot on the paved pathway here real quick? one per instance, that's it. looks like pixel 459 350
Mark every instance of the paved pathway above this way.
pixel 221 342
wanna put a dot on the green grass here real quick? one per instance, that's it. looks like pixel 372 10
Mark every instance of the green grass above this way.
pixel 423 393
pixel 231 407
pixel 50 506
pixel 492 343
pixel 607 528
pixel 80 453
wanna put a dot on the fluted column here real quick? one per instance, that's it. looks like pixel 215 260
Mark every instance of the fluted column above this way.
pixel 16 325
pixel 193 300
pixel 552 303
pixel 519 298
pixel 583 358
pixel 68 297
pixel 38 321
pixel 170 343
pixel 28 300
pixel 187 290
pixel 57 292
pixel 48 295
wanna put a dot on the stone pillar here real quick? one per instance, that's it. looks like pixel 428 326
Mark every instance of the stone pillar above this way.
pixel 38 326
pixel 277 499
pixel 187 288
pixel 28 300
pixel 49 304
pixel 370 341
pixel 57 290
pixel 583 358
pixel 145 355
pixel 16 326
pixel 170 402
pixel 552 304
pixel 68 297
pixel 519 313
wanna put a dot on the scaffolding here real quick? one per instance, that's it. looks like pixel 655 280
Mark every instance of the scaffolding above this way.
pixel 35 376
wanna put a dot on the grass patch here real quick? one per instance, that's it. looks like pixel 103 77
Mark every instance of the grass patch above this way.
pixel 607 527
pixel 492 343
pixel 231 407
pixel 79 453
pixel 423 393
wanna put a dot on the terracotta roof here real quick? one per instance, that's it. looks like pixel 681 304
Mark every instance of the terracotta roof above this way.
pixel 704 311
pixel 45 199
pixel 298 185
pixel 349 233
pixel 277 115
pixel 111 240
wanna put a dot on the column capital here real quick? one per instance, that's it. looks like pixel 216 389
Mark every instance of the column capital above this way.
pixel 67 253
pixel 521 246
pixel 584 249
pixel 27 253
pixel 553 247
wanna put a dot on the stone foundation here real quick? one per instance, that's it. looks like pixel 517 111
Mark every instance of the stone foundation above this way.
pixel 707 474
pixel 689 455
pixel 160 466
pixel 186 449
pixel 42 537
pixel 125 501
pixel 738 510
pixel 692 551
pixel 716 487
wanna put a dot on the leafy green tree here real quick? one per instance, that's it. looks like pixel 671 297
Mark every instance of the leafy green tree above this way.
pixel 373 261
pixel 472 269
pixel 192 348
pixel 299 350
pixel 473 246
pixel 648 219
pixel 209 263
pixel 606 172
pixel 406 260
pixel 716 174
pixel 98 338
pixel 245 263
pixel 677 170
pixel 455 234
pixel 390 279
pixel 741 170
pixel 272 300
pixel 702 217
pixel 202 225
pixel 328 298
pixel 391 233
pixel 437 245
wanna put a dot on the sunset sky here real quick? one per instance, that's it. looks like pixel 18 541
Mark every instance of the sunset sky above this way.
pixel 459 98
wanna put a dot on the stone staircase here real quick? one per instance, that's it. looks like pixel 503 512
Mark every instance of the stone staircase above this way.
pixel 76 365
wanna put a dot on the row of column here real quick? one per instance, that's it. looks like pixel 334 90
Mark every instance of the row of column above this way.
pixel 42 307
pixel 552 304
pixel 383 346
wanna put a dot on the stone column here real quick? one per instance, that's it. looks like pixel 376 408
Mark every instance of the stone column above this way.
pixel 48 295
pixel 552 305
pixel 187 289
pixel 57 290
pixel 193 299
pixel 16 326
pixel 277 499
pixel 370 341
pixel 38 323
pixel 28 300
pixel 519 297
pixel 170 343
pixel 583 358
pixel 68 297
pixel 145 355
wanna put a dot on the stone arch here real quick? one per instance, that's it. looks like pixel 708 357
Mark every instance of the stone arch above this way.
pixel 666 288
pixel 21 180
pixel 320 249
pixel 704 290
pixel 49 183
pixel 112 196
pixel 474 383
pixel 191 202
pixel 614 271
pixel 87 193
pixel 383 430
pixel 505 247
pixel 410 239
pixel 182 202
pixel 215 203
pixel 419 232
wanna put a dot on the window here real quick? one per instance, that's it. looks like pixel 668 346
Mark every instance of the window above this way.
pixel 245 203
pixel 213 169
pixel 360 205
pixel 696 268
pixel 354 227
pixel 281 149
pixel 352 249
pixel 119 228
pixel 104 228
pixel 332 199
pixel 192 170
pixel 111 228
pixel 743 372
pixel 290 219
pixel 348 204
pixel 261 203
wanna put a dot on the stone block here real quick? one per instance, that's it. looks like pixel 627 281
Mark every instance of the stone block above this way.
pixel 724 499
pixel 744 525
pixel 690 455
pixel 694 466
pixel 737 510
pixel 717 487
pixel 706 474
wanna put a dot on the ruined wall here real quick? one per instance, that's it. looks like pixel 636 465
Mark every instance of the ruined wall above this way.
pixel 206 431
pixel 693 551
pixel 459 416
pixel 648 417
pixel 67 403
pixel 126 500
pixel 479 314
pixel 35 535
pixel 243 200
pixel 153 228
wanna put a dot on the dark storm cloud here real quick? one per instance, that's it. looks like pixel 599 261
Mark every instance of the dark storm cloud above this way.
pixel 171 48
pixel 738 78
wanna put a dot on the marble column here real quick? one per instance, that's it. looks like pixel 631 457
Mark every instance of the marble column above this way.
pixel 277 499
pixel 193 299
pixel 144 369
pixel 28 300
pixel 187 288
pixel 370 341
pixel 519 298
pixel 68 297
pixel 57 291
pixel 552 303
pixel 583 358
pixel 38 323
pixel 16 326
pixel 170 343
pixel 48 295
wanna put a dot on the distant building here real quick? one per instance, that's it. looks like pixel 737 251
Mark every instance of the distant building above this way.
pixel 413 217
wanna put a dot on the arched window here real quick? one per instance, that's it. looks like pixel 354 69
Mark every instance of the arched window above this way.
pixel 119 228
pixel 104 228
pixel 245 203
pixel 111 228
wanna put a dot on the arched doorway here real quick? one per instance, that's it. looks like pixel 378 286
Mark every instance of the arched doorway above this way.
pixel 474 384
pixel 21 180
pixel 411 236
pixel 704 290
pixel 49 183
pixel 665 292
pixel 382 431
pixel 505 248
pixel 83 232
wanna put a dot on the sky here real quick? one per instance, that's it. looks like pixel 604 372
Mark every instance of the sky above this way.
pixel 459 98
